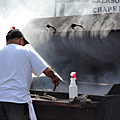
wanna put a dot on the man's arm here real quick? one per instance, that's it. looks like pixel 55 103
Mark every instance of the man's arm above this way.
pixel 49 73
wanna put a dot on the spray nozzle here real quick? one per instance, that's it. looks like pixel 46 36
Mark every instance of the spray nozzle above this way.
pixel 73 75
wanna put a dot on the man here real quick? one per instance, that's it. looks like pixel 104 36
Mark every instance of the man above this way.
pixel 16 67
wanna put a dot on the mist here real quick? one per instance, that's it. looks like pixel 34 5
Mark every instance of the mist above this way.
pixel 90 60
pixel 93 53
pixel 19 12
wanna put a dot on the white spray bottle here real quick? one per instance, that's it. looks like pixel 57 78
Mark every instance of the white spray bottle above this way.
pixel 73 88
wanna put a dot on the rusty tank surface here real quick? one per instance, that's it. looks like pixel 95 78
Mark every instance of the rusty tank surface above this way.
pixel 89 45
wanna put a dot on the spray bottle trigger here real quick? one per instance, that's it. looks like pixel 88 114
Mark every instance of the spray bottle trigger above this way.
pixel 73 75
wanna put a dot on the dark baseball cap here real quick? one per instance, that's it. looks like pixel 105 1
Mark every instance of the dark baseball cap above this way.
pixel 13 33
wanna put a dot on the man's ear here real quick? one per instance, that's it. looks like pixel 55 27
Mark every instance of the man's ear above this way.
pixel 21 41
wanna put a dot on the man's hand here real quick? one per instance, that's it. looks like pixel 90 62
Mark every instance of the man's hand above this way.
pixel 54 79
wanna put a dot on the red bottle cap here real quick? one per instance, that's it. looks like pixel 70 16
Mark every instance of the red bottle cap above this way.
pixel 73 75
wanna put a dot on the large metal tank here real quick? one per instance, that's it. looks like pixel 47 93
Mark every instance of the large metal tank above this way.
pixel 93 52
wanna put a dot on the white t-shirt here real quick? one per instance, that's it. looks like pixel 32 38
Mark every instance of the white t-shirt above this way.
pixel 16 65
